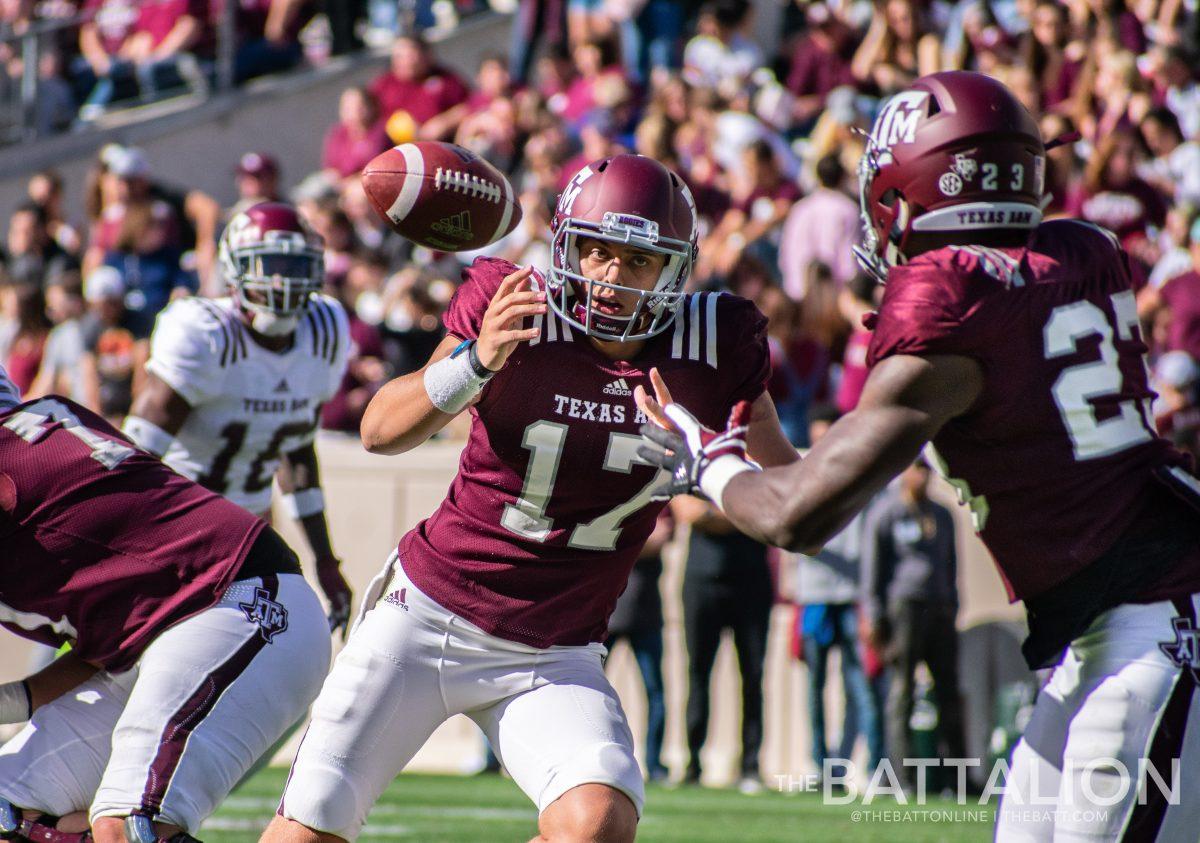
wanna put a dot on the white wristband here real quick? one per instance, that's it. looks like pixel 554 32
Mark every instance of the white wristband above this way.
pixel 147 435
pixel 451 383
pixel 302 503
pixel 15 703
pixel 718 473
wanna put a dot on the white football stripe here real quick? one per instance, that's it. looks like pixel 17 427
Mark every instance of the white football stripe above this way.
pixel 694 327
pixel 507 215
pixel 412 181
pixel 710 329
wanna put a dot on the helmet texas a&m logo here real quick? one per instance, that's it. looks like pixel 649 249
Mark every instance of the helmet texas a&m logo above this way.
pixel 956 152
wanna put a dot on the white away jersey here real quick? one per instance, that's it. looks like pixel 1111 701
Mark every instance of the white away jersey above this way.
pixel 249 404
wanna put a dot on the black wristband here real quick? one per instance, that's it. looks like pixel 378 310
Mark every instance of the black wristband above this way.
pixel 480 370
pixel 28 698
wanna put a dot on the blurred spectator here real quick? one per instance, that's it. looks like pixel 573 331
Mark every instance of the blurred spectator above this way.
pixel 726 585
pixel 1111 93
pixel 31 255
pixel 598 71
pixel 823 226
pixel 188 218
pixel 827 587
pixel 257 180
pixel 799 365
pixel 112 350
pixel 899 46
pixel 910 602
pixel 651 31
pixel 141 236
pixel 64 369
pixel 1176 379
pixel 357 137
pixel 638 620
pixel 23 332
pixel 45 190
pixel 1047 52
pixel 144 54
pixel 492 82
pixel 408 313
pixel 587 20
pixel 365 371
pixel 721 55
pixel 414 84
pixel 1174 256
pixel 1172 72
pixel 267 34
pixel 1062 163
pixel 854 302
pixel 820 62
pixel 759 203
pixel 1180 297
pixel 535 21
pixel 1175 167
pixel 1114 196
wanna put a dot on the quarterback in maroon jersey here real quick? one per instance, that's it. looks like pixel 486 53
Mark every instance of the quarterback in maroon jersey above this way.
pixel 1012 347
pixel 183 611
pixel 496 605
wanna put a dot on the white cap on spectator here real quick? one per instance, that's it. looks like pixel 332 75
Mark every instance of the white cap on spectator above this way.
pixel 104 282
pixel 1177 369
pixel 127 162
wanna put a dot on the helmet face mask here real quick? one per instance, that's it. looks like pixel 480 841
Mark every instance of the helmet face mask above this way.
pixel 953 159
pixel 629 200
pixel 273 265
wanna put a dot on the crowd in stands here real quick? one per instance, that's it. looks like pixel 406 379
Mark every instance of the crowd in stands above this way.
pixel 769 144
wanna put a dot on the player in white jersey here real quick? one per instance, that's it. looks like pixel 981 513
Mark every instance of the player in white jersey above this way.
pixel 235 385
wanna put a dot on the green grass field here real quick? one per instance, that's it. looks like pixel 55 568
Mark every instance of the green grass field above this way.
pixel 448 809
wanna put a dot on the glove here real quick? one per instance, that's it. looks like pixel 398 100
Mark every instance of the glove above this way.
pixel 336 591
pixel 700 461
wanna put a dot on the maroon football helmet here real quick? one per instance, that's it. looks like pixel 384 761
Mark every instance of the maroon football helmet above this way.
pixel 954 152
pixel 623 199
pixel 273 265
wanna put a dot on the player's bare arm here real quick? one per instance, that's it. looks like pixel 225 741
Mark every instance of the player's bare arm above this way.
pixel 157 414
pixel 299 479
pixel 402 414
pixel 20 699
pixel 905 402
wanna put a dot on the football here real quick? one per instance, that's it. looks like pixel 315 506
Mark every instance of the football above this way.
pixel 441 196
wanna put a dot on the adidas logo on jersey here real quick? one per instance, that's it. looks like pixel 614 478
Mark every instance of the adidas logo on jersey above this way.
pixel 396 598
pixel 455 225
pixel 282 386
pixel 618 387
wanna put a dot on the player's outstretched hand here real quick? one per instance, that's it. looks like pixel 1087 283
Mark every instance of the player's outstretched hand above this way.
pixel 337 592
pixel 501 330
pixel 687 449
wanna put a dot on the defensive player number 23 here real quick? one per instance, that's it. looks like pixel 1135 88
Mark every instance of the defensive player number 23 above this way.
pixel 527 516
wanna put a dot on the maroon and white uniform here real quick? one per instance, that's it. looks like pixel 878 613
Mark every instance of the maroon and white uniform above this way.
pixel 1084 508
pixel 191 606
pixel 550 507
pixel 496 604
pixel 1058 454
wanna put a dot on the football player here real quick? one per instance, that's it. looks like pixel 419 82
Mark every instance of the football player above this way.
pixel 234 386
pixel 496 606
pixel 194 639
pixel 1013 346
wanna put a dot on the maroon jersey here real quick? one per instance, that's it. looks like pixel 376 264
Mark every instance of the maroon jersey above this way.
pixel 551 505
pixel 104 545
pixel 1056 456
